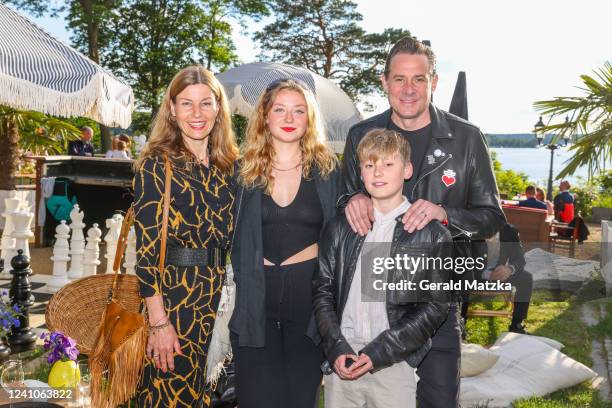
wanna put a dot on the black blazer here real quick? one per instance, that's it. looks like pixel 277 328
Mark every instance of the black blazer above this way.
pixel 249 318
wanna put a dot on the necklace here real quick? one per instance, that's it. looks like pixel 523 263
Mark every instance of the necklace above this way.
pixel 290 168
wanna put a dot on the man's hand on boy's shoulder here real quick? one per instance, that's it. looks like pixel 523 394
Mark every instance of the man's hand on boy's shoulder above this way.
pixel 342 364
pixel 421 213
pixel 360 213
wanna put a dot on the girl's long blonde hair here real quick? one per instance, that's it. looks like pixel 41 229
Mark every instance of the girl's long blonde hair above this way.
pixel 166 136
pixel 258 150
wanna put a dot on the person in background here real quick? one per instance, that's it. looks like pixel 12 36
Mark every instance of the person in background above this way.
pixel 128 143
pixel 506 262
pixel 121 148
pixel 541 195
pixel 121 152
pixel 531 201
pixel 83 146
pixel 564 203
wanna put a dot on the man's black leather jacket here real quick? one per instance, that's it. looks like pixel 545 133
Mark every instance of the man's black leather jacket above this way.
pixel 413 315
pixel 456 174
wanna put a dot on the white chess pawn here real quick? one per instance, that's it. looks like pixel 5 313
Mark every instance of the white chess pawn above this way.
pixel 7 243
pixel 22 232
pixel 60 258
pixel 92 251
pixel 77 243
pixel 111 239
pixel 130 253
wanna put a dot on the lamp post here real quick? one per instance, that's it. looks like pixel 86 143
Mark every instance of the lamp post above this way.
pixel 540 134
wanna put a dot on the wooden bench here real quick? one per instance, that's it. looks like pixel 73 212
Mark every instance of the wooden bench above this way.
pixel 533 224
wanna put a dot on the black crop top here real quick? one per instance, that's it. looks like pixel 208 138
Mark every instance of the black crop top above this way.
pixel 288 230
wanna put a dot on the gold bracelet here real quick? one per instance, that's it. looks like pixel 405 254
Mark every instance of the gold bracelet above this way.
pixel 160 326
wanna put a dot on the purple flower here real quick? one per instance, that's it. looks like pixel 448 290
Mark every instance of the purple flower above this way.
pixel 59 346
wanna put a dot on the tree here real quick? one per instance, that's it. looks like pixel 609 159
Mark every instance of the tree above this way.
pixel 153 40
pixel 590 116
pixel 217 45
pixel 41 131
pixel 508 181
pixel 324 36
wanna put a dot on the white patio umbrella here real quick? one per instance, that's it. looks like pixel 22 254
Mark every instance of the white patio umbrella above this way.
pixel 38 72
pixel 245 84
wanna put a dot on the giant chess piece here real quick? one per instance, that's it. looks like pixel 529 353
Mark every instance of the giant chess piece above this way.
pixel 22 338
pixel 111 239
pixel 130 253
pixel 7 244
pixel 60 258
pixel 77 243
pixel 92 251
pixel 22 221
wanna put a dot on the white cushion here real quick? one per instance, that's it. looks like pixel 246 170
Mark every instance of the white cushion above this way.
pixel 510 336
pixel 476 359
pixel 526 367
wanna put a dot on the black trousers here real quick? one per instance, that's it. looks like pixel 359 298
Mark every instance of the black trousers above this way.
pixel 286 372
pixel 438 385
pixel 523 282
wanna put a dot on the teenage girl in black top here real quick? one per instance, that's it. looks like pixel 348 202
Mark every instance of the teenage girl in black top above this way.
pixel 291 183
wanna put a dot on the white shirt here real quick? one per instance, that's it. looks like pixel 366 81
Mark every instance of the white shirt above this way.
pixel 117 154
pixel 363 321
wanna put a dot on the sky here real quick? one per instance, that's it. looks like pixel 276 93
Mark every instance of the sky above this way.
pixel 513 52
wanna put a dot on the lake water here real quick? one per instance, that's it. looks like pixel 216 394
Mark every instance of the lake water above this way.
pixel 536 162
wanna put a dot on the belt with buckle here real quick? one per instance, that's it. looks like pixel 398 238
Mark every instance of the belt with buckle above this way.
pixel 214 257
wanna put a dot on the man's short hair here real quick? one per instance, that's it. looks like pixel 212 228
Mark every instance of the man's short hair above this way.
pixel 412 46
pixel 383 143
pixel 88 129
pixel 530 190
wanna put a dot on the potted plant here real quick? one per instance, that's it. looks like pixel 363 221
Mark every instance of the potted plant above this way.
pixel 62 357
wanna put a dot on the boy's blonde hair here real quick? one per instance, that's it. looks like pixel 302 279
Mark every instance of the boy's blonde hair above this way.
pixel 383 143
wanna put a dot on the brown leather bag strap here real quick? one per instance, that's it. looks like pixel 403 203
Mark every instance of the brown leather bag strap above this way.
pixel 128 220
pixel 164 230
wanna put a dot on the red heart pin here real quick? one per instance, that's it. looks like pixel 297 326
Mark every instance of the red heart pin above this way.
pixel 448 180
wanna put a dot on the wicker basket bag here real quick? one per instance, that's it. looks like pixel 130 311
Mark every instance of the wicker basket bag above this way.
pixel 103 313
pixel 77 308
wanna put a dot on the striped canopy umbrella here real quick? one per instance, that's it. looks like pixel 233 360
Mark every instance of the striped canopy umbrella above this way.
pixel 40 73
pixel 246 83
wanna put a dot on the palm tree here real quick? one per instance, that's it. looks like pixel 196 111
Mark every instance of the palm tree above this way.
pixel 589 116
pixel 28 130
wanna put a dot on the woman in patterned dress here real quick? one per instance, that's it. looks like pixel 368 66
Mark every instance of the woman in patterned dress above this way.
pixel 193 129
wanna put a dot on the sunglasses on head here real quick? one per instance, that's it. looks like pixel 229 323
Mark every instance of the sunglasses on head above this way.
pixel 279 81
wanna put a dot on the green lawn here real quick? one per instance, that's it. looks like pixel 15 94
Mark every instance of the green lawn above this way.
pixel 559 320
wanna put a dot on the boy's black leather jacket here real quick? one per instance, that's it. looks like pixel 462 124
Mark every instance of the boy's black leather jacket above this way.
pixel 414 316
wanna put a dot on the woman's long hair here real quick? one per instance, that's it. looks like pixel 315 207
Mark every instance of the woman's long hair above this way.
pixel 259 152
pixel 166 135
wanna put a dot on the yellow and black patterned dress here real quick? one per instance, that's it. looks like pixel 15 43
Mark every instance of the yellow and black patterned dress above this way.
pixel 201 209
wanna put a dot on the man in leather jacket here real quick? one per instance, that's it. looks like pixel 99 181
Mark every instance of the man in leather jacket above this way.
pixel 453 182
pixel 396 327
